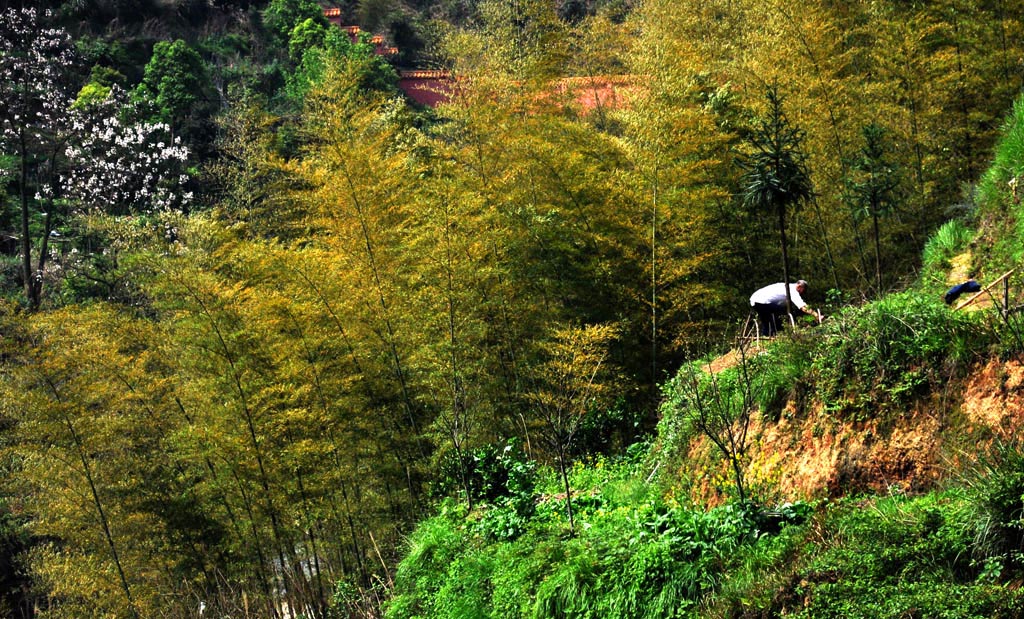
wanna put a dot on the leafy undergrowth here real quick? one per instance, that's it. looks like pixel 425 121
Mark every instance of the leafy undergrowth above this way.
pixel 892 556
pixel 903 557
pixel 638 553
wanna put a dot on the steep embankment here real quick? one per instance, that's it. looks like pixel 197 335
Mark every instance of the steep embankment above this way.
pixel 899 415
pixel 816 454
pixel 808 449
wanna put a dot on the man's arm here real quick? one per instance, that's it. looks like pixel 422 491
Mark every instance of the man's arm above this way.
pixel 810 312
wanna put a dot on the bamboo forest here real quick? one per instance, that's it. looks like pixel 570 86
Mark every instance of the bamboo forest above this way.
pixel 423 309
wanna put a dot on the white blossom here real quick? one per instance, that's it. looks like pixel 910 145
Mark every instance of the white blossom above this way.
pixel 124 166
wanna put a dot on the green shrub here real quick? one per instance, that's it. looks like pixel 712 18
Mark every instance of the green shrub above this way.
pixel 890 351
pixel 898 557
pixel 997 493
pixel 608 430
pixel 495 473
pixel 635 556
pixel 505 520
pixel 860 599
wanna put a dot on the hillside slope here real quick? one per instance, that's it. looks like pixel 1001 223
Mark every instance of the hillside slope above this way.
pixel 869 467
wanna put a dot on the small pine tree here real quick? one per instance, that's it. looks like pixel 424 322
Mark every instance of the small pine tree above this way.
pixel 775 174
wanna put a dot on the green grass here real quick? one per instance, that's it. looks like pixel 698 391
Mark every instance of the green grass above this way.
pixel 948 241
pixel 900 556
pixel 892 556
pixel 881 356
pixel 999 212
pixel 885 557
pixel 1008 158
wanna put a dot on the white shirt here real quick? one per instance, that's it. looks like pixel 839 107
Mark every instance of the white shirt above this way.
pixel 775 294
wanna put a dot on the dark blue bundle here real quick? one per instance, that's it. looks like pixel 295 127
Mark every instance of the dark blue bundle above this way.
pixel 954 292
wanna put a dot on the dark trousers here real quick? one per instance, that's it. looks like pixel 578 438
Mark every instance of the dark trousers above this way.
pixel 770 317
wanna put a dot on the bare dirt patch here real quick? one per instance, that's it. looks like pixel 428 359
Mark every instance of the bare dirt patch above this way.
pixel 815 454
pixel 994 398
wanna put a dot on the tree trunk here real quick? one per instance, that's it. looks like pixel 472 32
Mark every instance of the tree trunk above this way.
pixel 828 246
pixel 104 522
pixel 31 291
pixel 878 252
pixel 568 491
pixel 785 258
pixel 654 287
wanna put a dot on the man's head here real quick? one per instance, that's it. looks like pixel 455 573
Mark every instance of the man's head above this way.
pixel 801 286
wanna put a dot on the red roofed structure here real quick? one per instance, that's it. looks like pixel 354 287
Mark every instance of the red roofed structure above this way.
pixel 333 16
pixel 377 41
pixel 430 88
pixel 433 88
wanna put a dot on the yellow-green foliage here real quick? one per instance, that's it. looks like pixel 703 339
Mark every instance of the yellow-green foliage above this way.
pixel 258 405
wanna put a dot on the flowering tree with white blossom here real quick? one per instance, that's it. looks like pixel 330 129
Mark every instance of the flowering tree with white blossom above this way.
pixel 123 166
pixel 35 62
pixel 98 157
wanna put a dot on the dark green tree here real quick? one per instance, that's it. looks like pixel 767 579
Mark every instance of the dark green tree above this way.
pixel 306 34
pixel 338 53
pixel 282 16
pixel 15 583
pixel 775 174
pixel 97 89
pixel 176 83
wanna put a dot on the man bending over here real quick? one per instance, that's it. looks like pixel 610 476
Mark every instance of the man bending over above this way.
pixel 770 304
